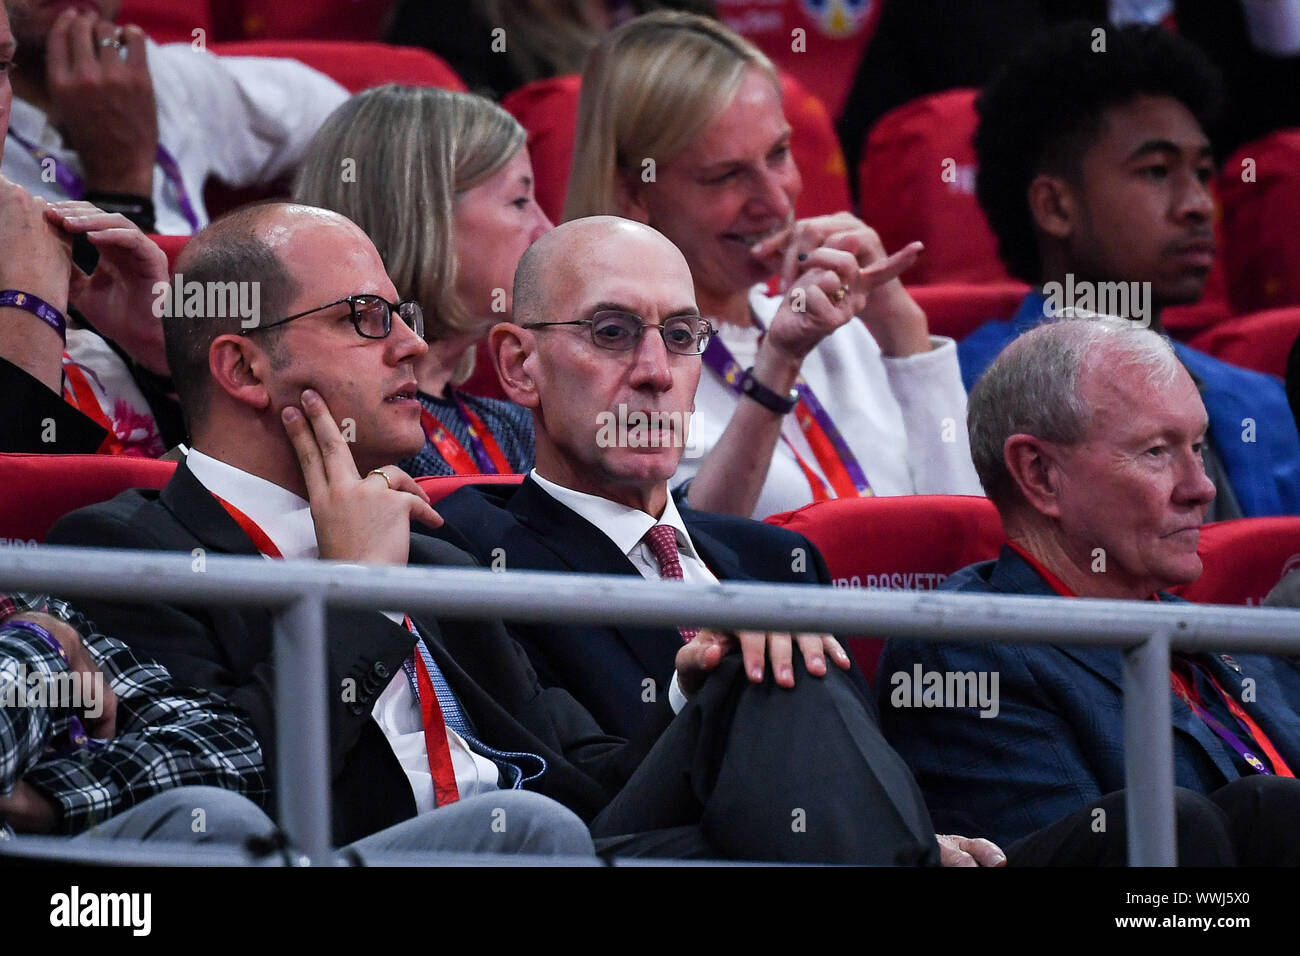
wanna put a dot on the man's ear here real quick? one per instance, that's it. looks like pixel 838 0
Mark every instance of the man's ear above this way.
pixel 629 195
pixel 241 369
pixel 1053 205
pixel 510 346
pixel 1033 467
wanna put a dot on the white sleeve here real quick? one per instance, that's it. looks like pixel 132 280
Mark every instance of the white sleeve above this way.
pixel 929 391
pixel 255 115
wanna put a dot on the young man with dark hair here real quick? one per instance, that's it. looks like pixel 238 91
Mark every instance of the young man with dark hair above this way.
pixel 1094 172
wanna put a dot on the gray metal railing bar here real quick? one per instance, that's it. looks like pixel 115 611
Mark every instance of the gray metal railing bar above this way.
pixel 582 598
pixel 298 592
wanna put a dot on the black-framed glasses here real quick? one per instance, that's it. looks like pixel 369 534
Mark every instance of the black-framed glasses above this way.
pixel 622 331
pixel 371 315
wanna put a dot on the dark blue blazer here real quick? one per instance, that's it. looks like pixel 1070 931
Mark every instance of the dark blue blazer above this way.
pixel 606 668
pixel 1057 742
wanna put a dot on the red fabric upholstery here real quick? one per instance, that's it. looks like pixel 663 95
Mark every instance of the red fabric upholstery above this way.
pixel 1261 341
pixel 816 151
pixel 1244 559
pixel 439 487
pixel 357 66
pixel 313 19
pixel 916 180
pixel 957 309
pixel 1262 244
pixel 172 245
pixel 548 109
pixel 40 489
pixel 170 21
pixel 909 543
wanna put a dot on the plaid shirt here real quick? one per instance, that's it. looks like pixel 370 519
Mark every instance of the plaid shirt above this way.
pixel 167 736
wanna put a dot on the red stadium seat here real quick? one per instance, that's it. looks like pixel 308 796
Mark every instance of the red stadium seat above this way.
pixel 172 245
pixel 1261 341
pixel 440 486
pixel 1260 212
pixel 957 309
pixel 1244 559
pixel 548 109
pixel 916 180
pixel 356 66
pixel 313 19
pixel 170 21
pixel 908 543
pixel 40 489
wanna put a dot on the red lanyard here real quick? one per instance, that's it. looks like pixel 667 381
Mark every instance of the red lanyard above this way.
pixel 436 747
pixel 487 459
pixel 78 393
pixel 1182 685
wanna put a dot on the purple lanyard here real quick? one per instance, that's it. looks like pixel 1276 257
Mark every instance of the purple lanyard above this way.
pixel 72 184
pixel 719 358
pixel 1231 739
pixel 485 463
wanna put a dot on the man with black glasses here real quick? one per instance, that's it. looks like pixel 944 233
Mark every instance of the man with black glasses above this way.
pixel 295 415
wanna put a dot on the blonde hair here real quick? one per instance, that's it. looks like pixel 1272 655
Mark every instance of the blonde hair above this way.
pixel 393 159
pixel 648 89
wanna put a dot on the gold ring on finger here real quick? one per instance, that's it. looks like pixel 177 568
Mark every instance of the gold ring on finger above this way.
pixel 838 295
pixel 382 474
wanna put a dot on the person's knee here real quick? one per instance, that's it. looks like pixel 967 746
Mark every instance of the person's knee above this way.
pixel 1201 831
pixel 196 814
pixel 548 827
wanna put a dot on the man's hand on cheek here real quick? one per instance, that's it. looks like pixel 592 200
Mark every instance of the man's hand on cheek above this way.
pixel 362 519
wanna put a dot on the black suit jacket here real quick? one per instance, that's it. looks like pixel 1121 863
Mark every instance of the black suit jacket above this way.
pixel 228 650
pixel 606 667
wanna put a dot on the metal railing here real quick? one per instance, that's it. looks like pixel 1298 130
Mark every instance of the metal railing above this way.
pixel 298 593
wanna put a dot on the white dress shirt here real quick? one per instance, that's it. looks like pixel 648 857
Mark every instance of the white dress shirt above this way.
pixel 286 520
pixel 627 528
pixel 903 418
pixel 243 120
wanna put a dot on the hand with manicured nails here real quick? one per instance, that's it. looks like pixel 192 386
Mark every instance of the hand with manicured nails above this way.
pixel 118 297
pixel 875 293
pixel 103 103
pixel 358 519
pixel 700 656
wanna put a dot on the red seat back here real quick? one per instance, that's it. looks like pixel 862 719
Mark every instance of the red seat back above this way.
pixel 41 489
pixel 313 19
pixel 916 180
pixel 908 543
pixel 170 21
pixel 957 309
pixel 438 487
pixel 355 65
pixel 1261 341
pixel 548 110
pixel 1260 213
pixel 1244 559
pixel 172 245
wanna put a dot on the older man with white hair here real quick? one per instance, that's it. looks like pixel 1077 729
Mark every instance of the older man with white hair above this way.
pixel 1088 437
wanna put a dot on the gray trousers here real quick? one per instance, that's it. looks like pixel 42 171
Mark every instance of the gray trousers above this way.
pixel 507 821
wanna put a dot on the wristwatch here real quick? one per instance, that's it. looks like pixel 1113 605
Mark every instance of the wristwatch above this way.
pixel 772 401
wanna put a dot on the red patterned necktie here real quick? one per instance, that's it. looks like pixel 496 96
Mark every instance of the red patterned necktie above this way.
pixel 662 540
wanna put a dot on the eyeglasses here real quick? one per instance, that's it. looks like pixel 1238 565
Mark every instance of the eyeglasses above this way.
pixel 622 331
pixel 371 315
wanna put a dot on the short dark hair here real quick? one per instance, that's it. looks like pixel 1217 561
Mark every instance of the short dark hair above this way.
pixel 228 250
pixel 1042 111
